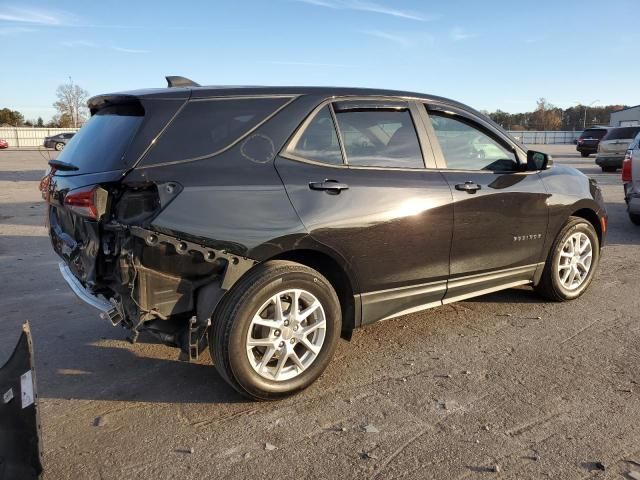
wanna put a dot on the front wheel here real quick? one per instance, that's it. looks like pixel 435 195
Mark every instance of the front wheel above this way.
pixel 572 261
pixel 609 169
pixel 584 154
pixel 59 146
pixel 635 218
pixel 276 330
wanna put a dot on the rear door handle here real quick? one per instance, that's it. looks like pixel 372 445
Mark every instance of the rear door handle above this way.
pixel 469 187
pixel 332 187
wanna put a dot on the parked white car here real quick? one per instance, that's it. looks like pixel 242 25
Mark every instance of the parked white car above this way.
pixel 631 180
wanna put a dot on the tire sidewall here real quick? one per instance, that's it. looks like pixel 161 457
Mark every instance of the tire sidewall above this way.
pixel 581 226
pixel 242 370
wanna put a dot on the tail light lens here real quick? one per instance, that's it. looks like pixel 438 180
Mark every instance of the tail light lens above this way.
pixel 580 141
pixel 83 201
pixel 626 167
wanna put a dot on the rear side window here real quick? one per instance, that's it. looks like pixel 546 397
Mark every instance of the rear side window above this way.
pixel 380 138
pixel 99 146
pixel 204 127
pixel 622 133
pixel 319 141
pixel 593 133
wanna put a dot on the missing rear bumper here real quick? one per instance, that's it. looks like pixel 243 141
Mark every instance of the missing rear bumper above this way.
pixel 108 310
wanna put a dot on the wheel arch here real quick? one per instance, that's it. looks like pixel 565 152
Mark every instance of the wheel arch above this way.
pixel 592 217
pixel 341 280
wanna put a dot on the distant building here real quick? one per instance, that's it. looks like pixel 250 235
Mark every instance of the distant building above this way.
pixel 628 117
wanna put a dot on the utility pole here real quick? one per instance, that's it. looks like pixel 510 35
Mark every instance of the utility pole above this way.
pixel 584 124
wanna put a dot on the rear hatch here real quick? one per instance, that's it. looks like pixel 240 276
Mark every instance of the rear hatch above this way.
pixel 617 140
pixel 78 182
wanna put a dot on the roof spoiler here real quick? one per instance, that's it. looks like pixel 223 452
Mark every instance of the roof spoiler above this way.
pixel 177 81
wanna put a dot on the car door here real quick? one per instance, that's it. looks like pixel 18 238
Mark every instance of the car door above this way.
pixel 365 193
pixel 500 209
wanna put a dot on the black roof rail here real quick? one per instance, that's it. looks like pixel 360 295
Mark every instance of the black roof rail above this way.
pixel 177 81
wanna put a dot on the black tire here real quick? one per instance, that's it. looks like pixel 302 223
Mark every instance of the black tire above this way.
pixel 232 319
pixel 550 285
pixel 609 169
pixel 584 154
pixel 635 218
pixel 58 146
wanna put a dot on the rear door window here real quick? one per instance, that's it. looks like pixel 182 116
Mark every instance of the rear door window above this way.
pixel 318 141
pixel 99 146
pixel 205 127
pixel 379 138
pixel 622 133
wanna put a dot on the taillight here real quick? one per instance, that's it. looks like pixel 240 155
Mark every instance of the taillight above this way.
pixel 83 201
pixel 626 167
pixel 581 141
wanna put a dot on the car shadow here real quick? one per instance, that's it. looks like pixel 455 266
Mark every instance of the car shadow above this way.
pixel 120 373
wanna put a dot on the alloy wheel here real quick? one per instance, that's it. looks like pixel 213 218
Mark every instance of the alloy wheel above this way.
pixel 286 335
pixel 575 260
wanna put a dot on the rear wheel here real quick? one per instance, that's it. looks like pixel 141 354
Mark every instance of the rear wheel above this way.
pixel 59 146
pixel 609 169
pixel 584 154
pixel 276 330
pixel 571 262
pixel 635 218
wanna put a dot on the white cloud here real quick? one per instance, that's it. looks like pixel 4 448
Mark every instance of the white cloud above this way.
pixel 31 16
pixel 79 44
pixel 458 34
pixel 129 50
pixel 368 6
pixel 6 31
pixel 392 37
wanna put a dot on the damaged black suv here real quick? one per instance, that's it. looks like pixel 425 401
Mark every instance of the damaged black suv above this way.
pixel 266 222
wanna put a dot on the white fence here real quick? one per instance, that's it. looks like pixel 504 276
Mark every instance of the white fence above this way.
pixel 542 137
pixel 30 137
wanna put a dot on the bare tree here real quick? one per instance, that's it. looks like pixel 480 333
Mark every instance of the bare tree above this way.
pixel 72 103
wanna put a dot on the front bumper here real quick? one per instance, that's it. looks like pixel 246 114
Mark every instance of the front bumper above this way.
pixel 108 310
pixel 610 160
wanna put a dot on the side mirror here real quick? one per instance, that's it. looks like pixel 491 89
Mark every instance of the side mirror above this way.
pixel 538 160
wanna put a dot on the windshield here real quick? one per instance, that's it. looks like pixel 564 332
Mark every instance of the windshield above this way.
pixel 99 146
pixel 622 133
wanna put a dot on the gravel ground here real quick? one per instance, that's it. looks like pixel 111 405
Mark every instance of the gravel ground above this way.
pixel 502 382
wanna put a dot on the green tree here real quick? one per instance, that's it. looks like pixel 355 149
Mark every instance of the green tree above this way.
pixel 10 117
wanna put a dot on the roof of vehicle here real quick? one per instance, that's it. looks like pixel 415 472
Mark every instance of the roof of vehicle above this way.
pixel 231 90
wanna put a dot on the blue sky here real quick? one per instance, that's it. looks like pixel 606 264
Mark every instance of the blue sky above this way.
pixel 488 54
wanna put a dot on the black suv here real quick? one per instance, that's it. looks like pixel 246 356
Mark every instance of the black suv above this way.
pixel 267 222
pixel 588 140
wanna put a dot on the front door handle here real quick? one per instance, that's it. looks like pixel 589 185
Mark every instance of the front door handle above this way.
pixel 469 187
pixel 332 187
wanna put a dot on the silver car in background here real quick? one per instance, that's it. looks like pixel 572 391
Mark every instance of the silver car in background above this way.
pixel 631 180
pixel 613 147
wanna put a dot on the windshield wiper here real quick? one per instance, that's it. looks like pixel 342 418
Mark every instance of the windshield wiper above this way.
pixel 63 166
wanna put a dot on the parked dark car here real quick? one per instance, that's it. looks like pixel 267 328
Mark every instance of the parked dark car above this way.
pixel 269 221
pixel 588 140
pixel 631 180
pixel 58 141
pixel 4 143
pixel 613 147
